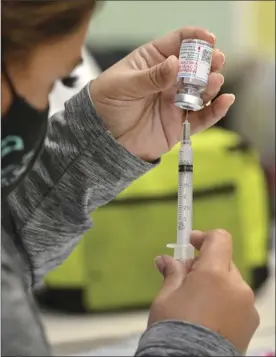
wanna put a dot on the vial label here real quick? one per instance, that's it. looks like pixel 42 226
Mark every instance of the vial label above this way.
pixel 195 61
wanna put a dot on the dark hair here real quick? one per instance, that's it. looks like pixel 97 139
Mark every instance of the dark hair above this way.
pixel 25 24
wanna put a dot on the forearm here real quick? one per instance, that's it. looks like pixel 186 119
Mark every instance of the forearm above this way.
pixel 21 329
pixel 82 167
pixel 176 338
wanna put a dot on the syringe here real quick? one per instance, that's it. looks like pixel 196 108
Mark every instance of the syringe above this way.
pixel 195 57
pixel 183 250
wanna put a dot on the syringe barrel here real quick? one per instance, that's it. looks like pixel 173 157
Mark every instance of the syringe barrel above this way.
pixel 185 195
pixel 184 253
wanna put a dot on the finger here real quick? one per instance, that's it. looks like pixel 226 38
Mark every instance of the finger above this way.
pixel 211 114
pixel 237 278
pixel 218 60
pixel 174 272
pixel 254 322
pixel 215 82
pixel 215 251
pixel 235 271
pixel 170 44
pixel 157 78
pixel 255 318
pixel 197 239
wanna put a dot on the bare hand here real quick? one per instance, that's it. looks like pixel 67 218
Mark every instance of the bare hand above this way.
pixel 135 96
pixel 209 291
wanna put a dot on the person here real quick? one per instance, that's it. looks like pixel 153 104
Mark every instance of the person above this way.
pixel 56 172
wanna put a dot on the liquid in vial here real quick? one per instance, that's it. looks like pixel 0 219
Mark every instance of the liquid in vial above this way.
pixel 195 60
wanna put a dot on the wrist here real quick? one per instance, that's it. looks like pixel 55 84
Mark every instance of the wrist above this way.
pixel 129 143
pixel 129 140
pixel 183 338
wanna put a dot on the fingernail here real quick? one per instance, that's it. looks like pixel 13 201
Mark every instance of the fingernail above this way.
pixel 222 231
pixel 196 231
pixel 232 96
pixel 167 66
pixel 221 78
pixel 212 34
pixel 159 264
pixel 222 55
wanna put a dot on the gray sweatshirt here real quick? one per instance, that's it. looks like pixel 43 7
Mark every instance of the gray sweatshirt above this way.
pixel 81 168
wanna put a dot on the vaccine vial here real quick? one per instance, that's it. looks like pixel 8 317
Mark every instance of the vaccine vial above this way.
pixel 195 60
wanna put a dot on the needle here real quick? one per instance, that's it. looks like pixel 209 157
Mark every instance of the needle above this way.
pixel 186 118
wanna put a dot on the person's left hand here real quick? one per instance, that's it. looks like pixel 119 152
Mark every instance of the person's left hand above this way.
pixel 135 97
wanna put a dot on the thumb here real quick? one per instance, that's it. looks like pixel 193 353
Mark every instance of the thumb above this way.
pixel 173 271
pixel 158 78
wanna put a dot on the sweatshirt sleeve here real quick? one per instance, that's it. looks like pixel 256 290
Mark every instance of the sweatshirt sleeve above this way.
pixel 177 338
pixel 82 167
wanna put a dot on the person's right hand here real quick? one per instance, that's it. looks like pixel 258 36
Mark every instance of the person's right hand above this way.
pixel 209 291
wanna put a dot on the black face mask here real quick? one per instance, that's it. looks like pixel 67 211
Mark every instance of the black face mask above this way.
pixel 23 130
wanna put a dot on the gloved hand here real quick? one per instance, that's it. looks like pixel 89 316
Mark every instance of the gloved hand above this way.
pixel 208 291
pixel 135 96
